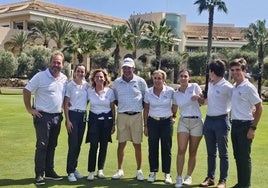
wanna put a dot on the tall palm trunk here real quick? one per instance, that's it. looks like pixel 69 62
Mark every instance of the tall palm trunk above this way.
pixel 116 61
pixel 158 55
pixel 260 67
pixel 210 31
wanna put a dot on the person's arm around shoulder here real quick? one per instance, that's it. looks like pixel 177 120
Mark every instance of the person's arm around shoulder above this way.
pixel 257 116
pixel 27 103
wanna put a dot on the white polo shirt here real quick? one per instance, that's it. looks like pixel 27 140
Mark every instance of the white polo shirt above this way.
pixel 219 98
pixel 187 106
pixel 49 91
pixel 77 95
pixel 130 95
pixel 160 106
pixel 244 98
pixel 100 103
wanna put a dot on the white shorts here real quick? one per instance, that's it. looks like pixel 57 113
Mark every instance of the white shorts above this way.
pixel 193 126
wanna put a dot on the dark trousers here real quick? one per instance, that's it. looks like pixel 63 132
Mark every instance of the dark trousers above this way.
pixel 242 150
pixel 216 131
pixel 47 130
pixel 75 139
pixel 160 131
pixel 99 134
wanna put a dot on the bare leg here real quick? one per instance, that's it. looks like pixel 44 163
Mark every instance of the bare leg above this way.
pixel 193 146
pixel 120 154
pixel 182 139
pixel 138 155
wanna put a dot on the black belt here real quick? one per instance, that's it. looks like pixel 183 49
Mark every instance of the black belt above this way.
pixel 53 114
pixel 131 113
pixel 236 121
pixel 77 110
pixel 218 117
pixel 160 118
pixel 191 117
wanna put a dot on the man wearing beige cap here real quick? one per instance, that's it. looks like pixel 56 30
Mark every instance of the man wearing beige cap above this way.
pixel 129 92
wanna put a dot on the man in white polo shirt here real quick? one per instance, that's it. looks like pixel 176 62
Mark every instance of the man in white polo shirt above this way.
pixel 48 87
pixel 245 115
pixel 129 92
pixel 217 125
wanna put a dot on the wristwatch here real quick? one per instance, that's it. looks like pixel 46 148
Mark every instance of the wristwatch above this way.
pixel 253 127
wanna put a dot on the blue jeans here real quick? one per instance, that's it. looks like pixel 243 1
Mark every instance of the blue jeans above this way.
pixel 75 139
pixel 242 150
pixel 216 129
pixel 160 130
pixel 47 129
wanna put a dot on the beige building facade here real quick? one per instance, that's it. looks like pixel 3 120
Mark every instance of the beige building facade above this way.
pixel 190 37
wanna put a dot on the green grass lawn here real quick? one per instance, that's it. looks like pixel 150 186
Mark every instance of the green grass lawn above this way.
pixel 17 144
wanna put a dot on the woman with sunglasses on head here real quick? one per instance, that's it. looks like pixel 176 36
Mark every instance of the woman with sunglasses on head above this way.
pixel 75 106
pixel 190 128
pixel 158 124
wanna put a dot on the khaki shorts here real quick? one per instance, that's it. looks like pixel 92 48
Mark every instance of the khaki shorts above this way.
pixel 129 128
pixel 193 126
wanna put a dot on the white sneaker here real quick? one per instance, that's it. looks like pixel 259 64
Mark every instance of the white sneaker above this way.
pixel 119 173
pixel 178 182
pixel 139 175
pixel 100 174
pixel 187 180
pixel 90 176
pixel 78 175
pixel 152 177
pixel 168 179
pixel 71 177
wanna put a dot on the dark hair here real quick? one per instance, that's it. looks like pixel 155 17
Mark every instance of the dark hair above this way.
pixel 79 65
pixel 107 78
pixel 184 70
pixel 239 62
pixel 218 67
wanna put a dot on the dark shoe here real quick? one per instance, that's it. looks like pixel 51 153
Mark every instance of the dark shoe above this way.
pixel 221 184
pixel 39 180
pixel 207 182
pixel 52 176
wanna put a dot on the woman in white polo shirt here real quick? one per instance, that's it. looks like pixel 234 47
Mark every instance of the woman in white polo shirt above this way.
pixel 75 105
pixel 101 121
pixel 158 124
pixel 190 128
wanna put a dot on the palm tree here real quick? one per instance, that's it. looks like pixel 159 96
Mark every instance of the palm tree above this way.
pixel 116 37
pixel 18 42
pixel 159 37
pixel 209 5
pixel 41 30
pixel 81 42
pixel 135 27
pixel 257 36
pixel 59 31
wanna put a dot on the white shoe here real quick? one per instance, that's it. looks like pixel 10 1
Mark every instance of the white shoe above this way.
pixel 168 179
pixel 152 177
pixel 90 176
pixel 78 175
pixel 187 180
pixel 178 182
pixel 139 175
pixel 119 173
pixel 100 174
pixel 71 177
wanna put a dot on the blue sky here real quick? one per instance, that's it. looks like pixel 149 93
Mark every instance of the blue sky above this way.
pixel 240 12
